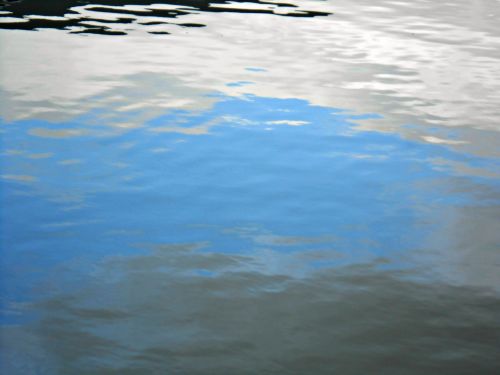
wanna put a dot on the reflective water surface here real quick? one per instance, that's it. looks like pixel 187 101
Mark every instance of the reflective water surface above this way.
pixel 249 187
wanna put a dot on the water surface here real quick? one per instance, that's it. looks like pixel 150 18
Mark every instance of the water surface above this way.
pixel 253 187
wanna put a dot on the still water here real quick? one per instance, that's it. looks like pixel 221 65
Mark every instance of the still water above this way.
pixel 250 187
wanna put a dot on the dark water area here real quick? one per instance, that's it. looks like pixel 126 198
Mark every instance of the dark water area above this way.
pixel 70 14
pixel 249 187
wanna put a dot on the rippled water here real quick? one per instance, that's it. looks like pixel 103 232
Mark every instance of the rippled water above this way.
pixel 229 187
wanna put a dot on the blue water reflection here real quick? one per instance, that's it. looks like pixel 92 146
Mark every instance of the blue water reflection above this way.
pixel 273 188
pixel 282 167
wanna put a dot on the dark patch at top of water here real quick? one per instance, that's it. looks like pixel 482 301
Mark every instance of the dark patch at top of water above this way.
pixel 66 14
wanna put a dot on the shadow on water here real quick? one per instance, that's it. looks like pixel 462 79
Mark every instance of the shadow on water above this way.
pixel 153 314
pixel 100 17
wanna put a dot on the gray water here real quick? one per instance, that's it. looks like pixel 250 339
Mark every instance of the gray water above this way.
pixel 193 187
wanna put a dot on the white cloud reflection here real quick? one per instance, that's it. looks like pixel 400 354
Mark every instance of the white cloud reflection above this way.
pixel 434 68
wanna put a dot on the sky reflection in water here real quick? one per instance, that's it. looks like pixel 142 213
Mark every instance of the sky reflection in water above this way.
pixel 160 217
pixel 204 224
